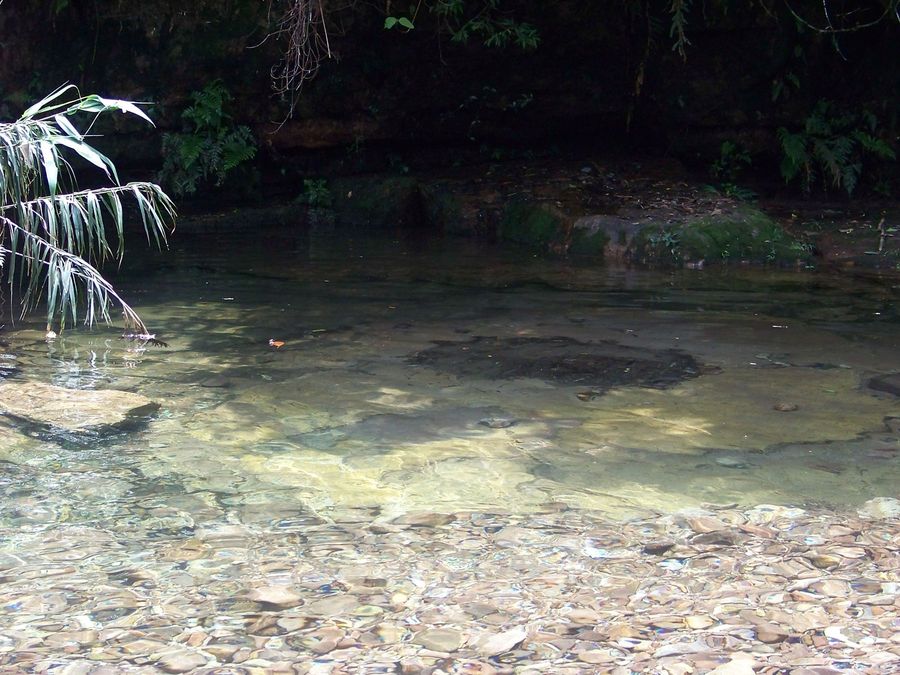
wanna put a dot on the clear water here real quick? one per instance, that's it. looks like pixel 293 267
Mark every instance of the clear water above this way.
pixel 340 418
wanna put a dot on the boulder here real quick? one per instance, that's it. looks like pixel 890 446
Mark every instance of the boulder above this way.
pixel 71 410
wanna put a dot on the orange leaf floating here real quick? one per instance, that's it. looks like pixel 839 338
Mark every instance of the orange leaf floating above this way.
pixel 276 343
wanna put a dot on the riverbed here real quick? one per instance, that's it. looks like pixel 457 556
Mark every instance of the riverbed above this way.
pixel 388 454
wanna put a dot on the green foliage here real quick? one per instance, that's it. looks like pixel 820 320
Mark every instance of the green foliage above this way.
pixel 831 147
pixel 733 159
pixel 210 147
pixel 485 20
pixel 51 233
pixel 316 193
pixel 679 9
pixel 665 243
pixel 402 21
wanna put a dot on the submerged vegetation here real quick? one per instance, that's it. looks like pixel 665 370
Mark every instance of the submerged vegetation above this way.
pixel 53 234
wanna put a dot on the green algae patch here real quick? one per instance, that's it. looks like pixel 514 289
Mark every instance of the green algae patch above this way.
pixel 743 235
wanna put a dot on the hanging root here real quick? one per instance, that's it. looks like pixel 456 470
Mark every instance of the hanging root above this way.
pixel 303 24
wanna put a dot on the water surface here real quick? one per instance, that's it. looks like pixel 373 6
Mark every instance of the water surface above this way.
pixel 349 414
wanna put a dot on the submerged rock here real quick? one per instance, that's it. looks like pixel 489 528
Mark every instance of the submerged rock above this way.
pixel 886 384
pixel 561 360
pixel 881 507
pixel 439 639
pixel 71 410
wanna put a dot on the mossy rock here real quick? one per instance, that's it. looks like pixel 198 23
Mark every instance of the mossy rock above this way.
pixel 543 228
pixel 745 234
pixel 533 225
pixel 378 202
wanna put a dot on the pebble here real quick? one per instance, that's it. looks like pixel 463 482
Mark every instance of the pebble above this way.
pixel 333 605
pixel 425 519
pixel 439 639
pixel 785 407
pixel 277 596
pixel 498 643
pixel 497 422
pixel 780 585
pixel 732 462
pixel 181 662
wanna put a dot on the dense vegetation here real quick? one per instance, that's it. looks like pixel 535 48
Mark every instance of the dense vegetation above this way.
pixel 809 87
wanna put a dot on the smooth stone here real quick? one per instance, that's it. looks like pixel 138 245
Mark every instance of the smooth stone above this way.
pixel 426 519
pixel 499 643
pixel 439 639
pixel 181 662
pixel 880 507
pixel 698 621
pixel 333 605
pixel 71 409
pixel 731 462
pixel 657 547
pixel 771 634
pixel 278 596
pixel 497 422
pixel 389 634
pixel 596 656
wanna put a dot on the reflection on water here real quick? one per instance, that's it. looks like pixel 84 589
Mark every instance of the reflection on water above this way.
pixel 347 414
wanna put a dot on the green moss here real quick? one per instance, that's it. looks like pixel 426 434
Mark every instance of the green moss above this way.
pixel 532 225
pixel 745 234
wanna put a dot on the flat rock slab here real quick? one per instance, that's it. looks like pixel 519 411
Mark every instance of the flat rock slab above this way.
pixel 561 360
pixel 71 410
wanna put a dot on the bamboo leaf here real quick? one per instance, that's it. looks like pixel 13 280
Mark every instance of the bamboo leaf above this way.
pixel 51 165
pixel 41 105
pixel 66 126
pixel 88 153
pixel 98 104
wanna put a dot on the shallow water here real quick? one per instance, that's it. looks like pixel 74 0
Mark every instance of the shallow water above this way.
pixel 432 473
pixel 348 413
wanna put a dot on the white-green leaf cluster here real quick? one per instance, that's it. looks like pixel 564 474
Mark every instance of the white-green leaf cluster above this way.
pixel 53 235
